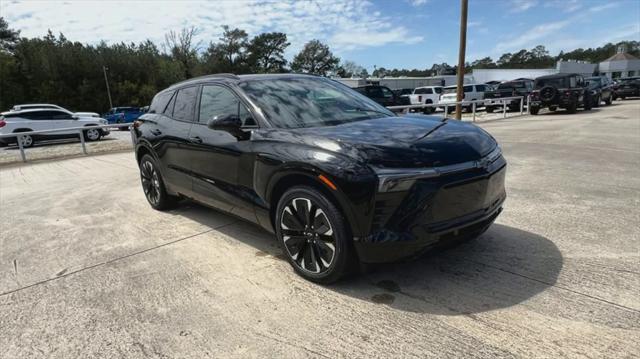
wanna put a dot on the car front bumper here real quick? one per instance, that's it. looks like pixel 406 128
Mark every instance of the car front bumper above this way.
pixel 432 213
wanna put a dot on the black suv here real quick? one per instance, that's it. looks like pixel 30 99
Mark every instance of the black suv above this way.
pixel 337 177
pixel 601 90
pixel 568 91
pixel 383 95
pixel 627 87
pixel 521 87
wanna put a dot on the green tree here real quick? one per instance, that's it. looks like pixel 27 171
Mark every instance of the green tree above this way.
pixel 266 52
pixel 315 58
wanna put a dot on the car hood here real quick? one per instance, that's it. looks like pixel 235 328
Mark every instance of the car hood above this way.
pixel 408 141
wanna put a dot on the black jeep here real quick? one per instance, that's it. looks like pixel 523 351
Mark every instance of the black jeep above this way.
pixel 568 91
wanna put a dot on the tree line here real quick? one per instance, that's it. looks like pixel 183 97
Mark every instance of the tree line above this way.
pixel 53 69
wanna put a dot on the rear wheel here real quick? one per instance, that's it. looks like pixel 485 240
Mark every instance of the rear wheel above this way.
pixel 489 109
pixel 314 235
pixel 153 185
pixel 608 100
pixel 26 140
pixel 552 108
pixel 534 110
pixel 596 103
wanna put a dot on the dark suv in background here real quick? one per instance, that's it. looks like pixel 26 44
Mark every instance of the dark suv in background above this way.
pixel 520 87
pixel 601 90
pixel 383 95
pixel 627 87
pixel 337 177
pixel 568 91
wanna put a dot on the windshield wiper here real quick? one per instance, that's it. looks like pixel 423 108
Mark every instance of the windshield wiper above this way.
pixel 362 109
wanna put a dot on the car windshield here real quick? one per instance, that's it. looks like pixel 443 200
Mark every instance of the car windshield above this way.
pixel 510 85
pixel 310 102
pixel 451 89
pixel 593 84
pixel 554 82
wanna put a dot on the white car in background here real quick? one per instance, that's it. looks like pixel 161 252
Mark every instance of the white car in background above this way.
pixel 426 95
pixel 32 106
pixel 27 120
pixel 471 93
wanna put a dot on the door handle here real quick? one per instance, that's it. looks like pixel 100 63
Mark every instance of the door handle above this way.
pixel 156 132
pixel 195 139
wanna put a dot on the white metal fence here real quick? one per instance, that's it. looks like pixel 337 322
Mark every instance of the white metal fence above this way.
pixel 504 101
pixel 19 136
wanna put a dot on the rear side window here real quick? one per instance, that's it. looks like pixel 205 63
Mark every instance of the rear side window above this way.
pixel 185 104
pixel 480 88
pixel 386 92
pixel 168 111
pixel 375 92
pixel 438 89
pixel 467 88
pixel 427 91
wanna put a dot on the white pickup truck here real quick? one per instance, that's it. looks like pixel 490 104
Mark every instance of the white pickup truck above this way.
pixel 426 95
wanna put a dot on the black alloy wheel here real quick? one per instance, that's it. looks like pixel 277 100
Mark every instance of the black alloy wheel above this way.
pixel 153 186
pixel 313 235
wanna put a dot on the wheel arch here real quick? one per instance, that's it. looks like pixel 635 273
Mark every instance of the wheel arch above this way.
pixel 281 182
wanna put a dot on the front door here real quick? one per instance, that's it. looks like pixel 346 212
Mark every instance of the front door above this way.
pixel 217 155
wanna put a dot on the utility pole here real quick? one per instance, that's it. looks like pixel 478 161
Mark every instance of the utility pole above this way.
pixel 106 81
pixel 461 55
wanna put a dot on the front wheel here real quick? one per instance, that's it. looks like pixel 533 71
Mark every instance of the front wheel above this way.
pixel 153 185
pixel 314 235
pixel 92 134
pixel 596 103
pixel 608 101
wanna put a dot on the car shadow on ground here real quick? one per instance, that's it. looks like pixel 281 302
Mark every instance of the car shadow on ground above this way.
pixel 503 267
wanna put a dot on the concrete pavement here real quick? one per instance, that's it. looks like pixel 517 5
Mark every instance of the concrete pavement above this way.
pixel 88 269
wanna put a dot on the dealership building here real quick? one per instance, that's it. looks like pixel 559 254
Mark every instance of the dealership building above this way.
pixel 620 65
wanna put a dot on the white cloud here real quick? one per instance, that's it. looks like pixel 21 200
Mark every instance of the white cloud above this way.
pixel 522 5
pixel 418 2
pixel 345 25
pixel 530 36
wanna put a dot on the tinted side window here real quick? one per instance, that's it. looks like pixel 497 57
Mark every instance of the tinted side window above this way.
pixel 186 98
pixel 386 92
pixel 480 88
pixel 467 88
pixel 217 102
pixel 60 115
pixel 375 92
pixel 438 89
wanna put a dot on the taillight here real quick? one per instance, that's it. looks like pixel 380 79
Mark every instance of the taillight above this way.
pixel 2 122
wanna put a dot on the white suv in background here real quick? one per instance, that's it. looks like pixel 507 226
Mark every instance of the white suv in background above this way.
pixel 471 93
pixel 47 119
pixel 426 95
pixel 32 106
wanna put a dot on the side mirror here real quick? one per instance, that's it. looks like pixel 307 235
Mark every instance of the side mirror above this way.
pixel 230 123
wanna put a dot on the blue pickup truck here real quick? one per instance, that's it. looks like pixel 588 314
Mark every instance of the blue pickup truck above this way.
pixel 123 114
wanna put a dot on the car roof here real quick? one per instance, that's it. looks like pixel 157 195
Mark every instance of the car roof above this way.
pixel 425 87
pixel 29 110
pixel 232 78
pixel 555 76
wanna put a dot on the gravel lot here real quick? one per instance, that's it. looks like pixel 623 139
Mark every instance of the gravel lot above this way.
pixel 88 269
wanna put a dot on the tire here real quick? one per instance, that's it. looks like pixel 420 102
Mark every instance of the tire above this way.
pixel 27 141
pixel 597 102
pixel 534 110
pixel 608 101
pixel 553 108
pixel 153 185
pixel 572 107
pixel 428 110
pixel 302 217
pixel 588 103
pixel 92 134
pixel 489 109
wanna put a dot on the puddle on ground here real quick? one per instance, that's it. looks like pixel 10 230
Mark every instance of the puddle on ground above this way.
pixel 384 298
pixel 388 285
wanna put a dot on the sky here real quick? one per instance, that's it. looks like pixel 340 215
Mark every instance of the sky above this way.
pixel 383 33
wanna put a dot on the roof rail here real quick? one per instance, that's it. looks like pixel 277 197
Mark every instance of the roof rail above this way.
pixel 225 75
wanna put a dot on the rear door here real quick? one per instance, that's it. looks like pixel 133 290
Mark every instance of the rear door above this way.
pixel 169 134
